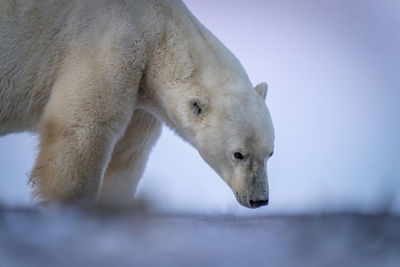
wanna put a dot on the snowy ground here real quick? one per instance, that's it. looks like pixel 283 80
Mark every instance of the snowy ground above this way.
pixel 71 236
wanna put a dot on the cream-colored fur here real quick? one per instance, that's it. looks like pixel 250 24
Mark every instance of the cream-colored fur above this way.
pixel 96 78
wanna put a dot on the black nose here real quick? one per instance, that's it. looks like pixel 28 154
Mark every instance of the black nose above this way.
pixel 258 203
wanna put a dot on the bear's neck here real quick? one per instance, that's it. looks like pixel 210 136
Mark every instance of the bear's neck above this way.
pixel 187 60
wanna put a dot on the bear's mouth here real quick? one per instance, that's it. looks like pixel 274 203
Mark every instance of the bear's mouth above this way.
pixel 242 200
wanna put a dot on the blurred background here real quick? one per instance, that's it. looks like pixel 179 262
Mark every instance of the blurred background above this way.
pixel 333 69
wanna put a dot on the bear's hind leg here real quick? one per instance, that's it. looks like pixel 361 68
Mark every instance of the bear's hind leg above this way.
pixel 129 159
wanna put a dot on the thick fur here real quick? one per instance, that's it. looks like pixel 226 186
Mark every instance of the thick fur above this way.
pixel 96 78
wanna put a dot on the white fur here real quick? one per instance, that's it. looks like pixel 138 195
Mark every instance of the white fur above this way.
pixel 96 78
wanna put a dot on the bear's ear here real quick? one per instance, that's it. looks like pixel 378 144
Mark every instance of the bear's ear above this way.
pixel 262 89
pixel 198 105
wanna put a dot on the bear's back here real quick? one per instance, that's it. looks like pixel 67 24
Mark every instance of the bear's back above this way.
pixel 30 50
pixel 35 38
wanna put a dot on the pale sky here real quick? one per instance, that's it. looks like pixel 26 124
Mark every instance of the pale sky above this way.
pixel 333 74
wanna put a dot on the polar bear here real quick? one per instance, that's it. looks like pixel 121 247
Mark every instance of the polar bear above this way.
pixel 96 80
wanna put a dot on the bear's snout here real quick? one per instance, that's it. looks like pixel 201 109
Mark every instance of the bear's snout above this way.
pixel 254 201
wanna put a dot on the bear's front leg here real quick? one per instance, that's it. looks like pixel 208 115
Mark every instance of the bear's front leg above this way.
pixel 83 120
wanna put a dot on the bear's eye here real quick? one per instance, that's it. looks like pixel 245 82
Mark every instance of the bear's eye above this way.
pixel 238 155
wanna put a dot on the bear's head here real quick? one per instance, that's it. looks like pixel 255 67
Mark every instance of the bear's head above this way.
pixel 234 135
